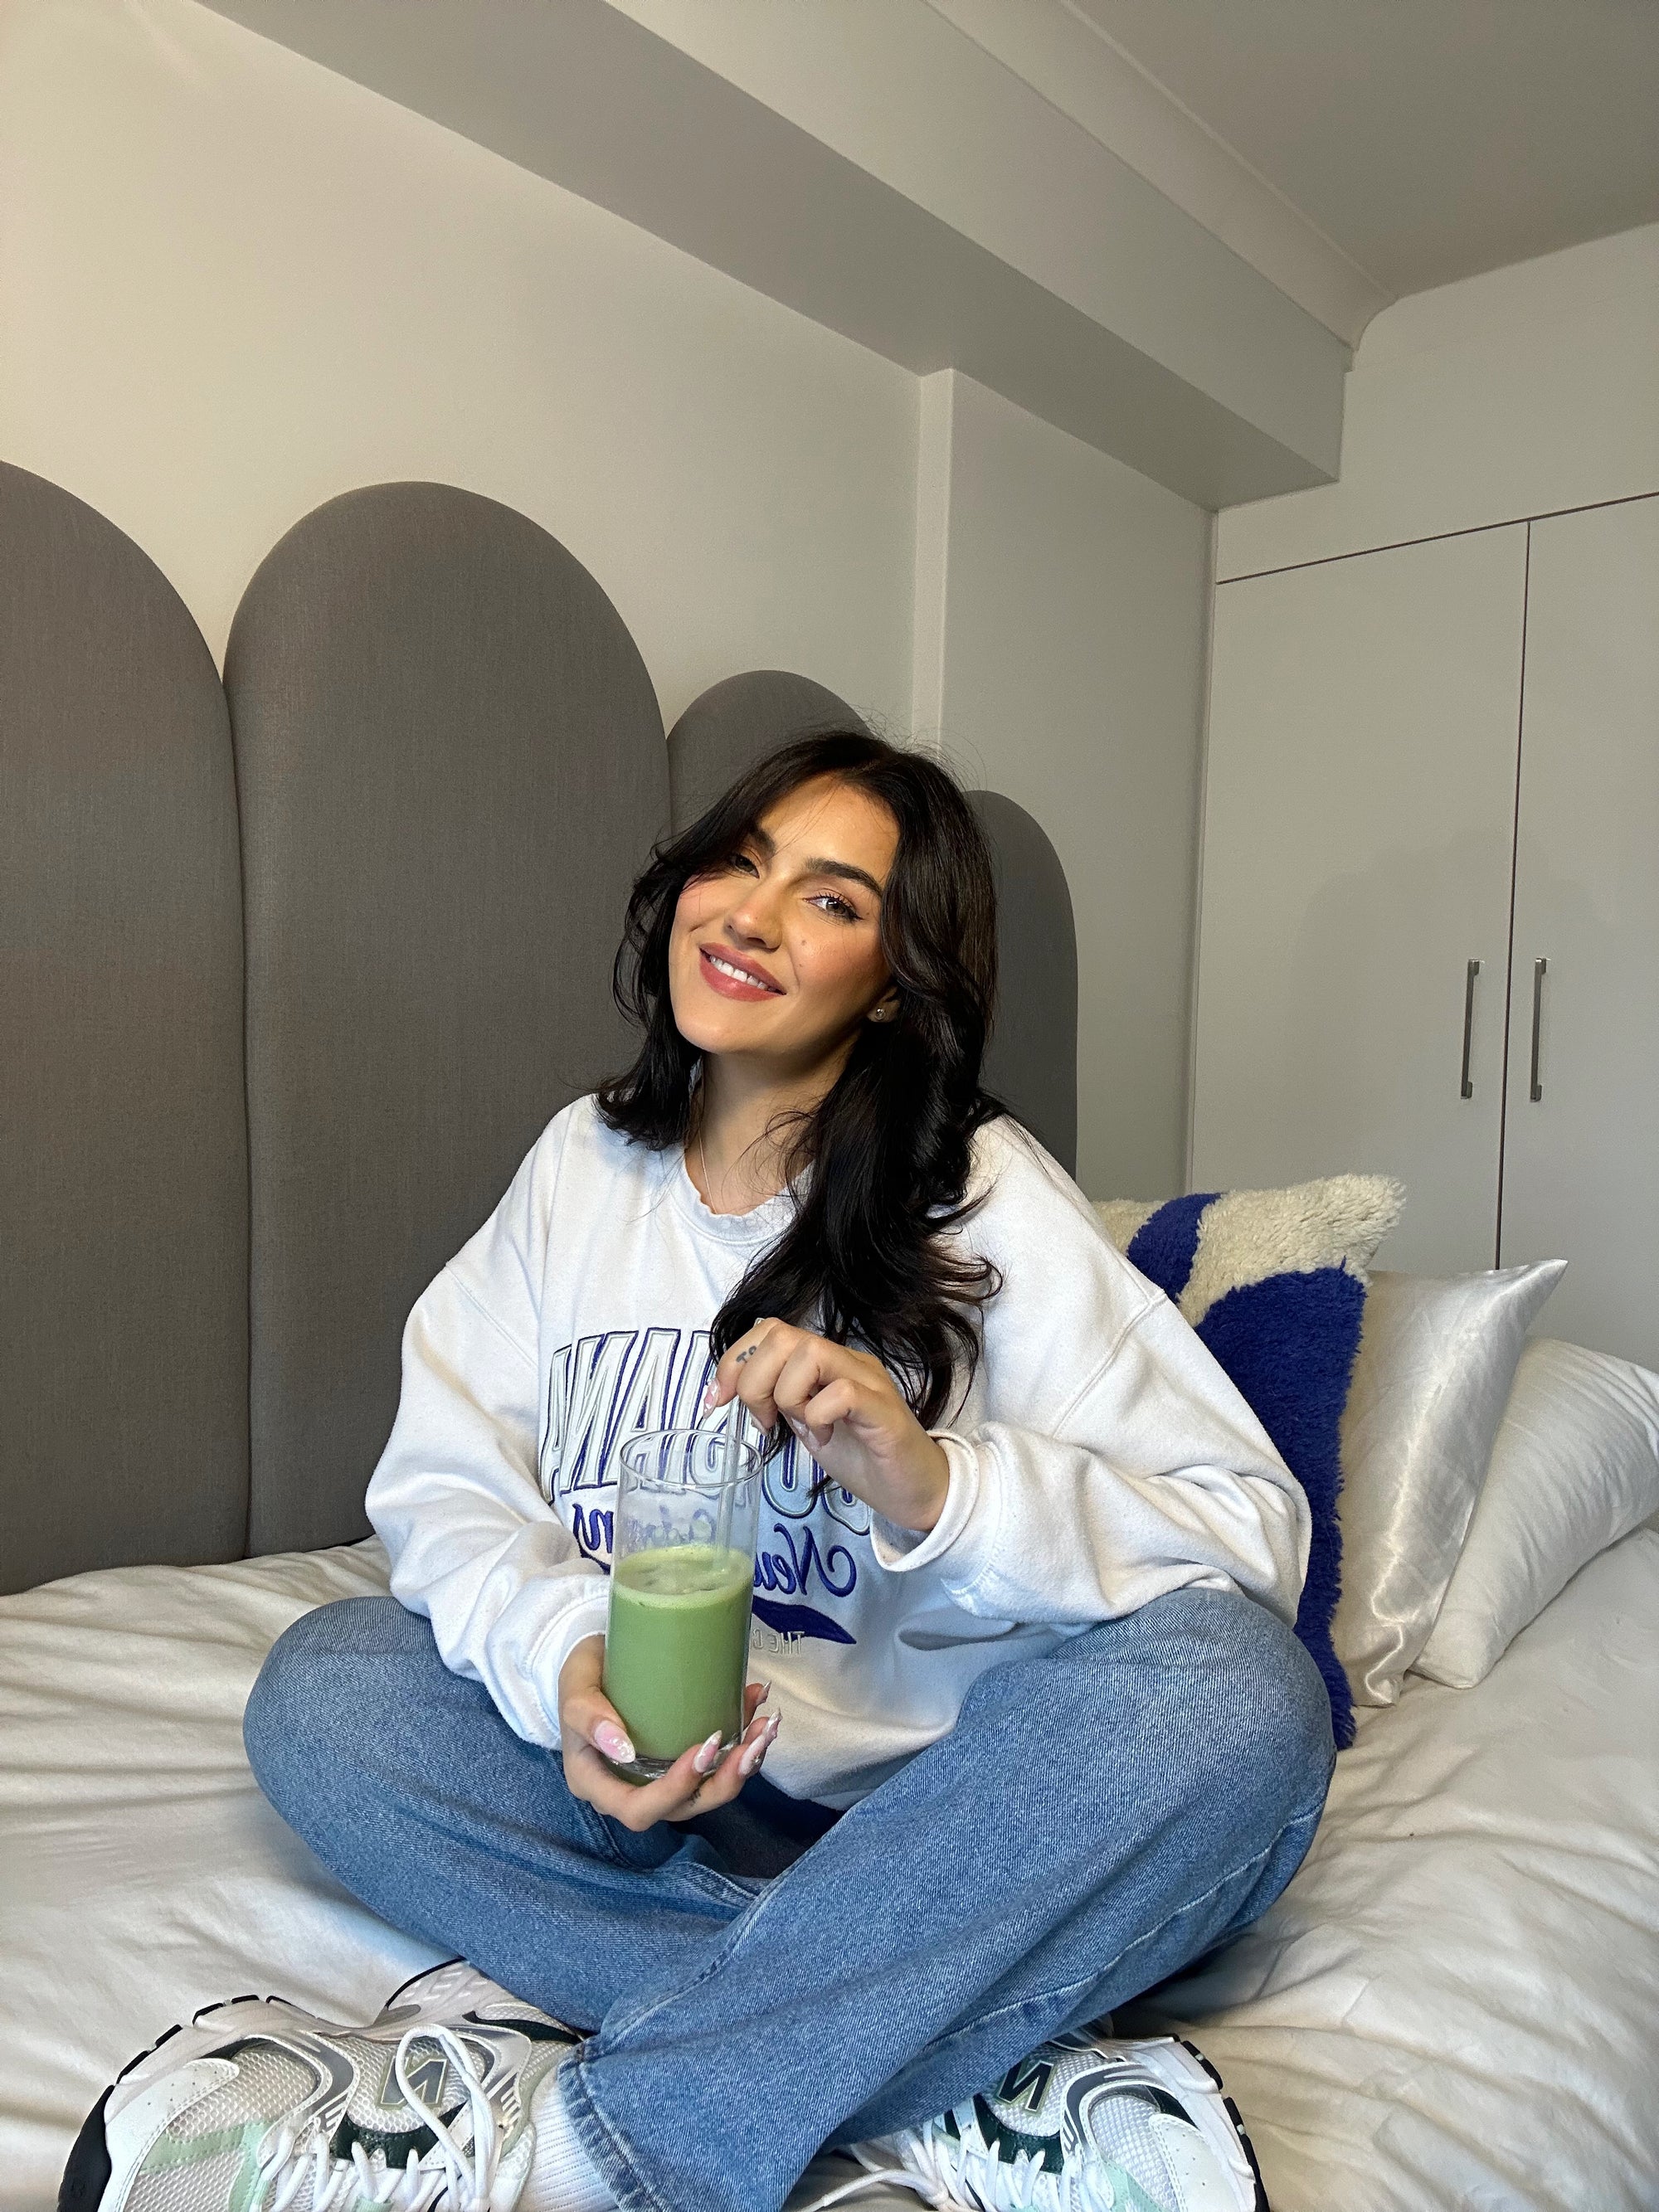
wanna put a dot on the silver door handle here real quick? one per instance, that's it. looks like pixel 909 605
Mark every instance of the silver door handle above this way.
pixel 1468 1090
pixel 1538 969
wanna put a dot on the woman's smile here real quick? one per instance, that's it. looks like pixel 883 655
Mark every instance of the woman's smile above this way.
pixel 733 978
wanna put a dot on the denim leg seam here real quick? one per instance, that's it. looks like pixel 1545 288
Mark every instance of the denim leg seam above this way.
pixel 740 1927
pixel 723 1888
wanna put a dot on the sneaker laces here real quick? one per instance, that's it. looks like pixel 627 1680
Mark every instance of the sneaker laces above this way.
pixel 939 2166
pixel 470 2180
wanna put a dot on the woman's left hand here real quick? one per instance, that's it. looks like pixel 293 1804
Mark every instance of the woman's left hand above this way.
pixel 846 1408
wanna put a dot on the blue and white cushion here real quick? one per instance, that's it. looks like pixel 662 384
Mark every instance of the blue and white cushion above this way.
pixel 1273 1282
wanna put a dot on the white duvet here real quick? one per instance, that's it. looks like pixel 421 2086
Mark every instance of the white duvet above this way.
pixel 1453 2004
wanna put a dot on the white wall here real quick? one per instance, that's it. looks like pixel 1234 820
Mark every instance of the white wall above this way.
pixel 1059 654
pixel 1522 393
pixel 234 284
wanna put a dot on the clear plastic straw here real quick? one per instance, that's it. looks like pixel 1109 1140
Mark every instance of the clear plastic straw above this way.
pixel 728 1477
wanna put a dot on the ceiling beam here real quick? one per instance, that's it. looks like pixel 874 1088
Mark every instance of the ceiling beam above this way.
pixel 870 166
pixel 1064 54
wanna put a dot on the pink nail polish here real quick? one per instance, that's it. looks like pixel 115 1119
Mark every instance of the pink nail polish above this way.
pixel 708 1754
pixel 613 1743
pixel 709 1396
pixel 749 1763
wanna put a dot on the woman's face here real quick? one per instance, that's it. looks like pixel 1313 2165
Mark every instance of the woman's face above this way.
pixel 777 956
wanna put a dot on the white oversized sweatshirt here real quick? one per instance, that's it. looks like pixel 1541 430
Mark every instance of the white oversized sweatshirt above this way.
pixel 1099 1458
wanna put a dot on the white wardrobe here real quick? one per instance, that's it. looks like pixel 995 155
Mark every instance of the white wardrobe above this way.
pixel 1429 933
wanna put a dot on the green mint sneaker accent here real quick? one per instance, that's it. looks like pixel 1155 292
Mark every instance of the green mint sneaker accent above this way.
pixel 258 2107
pixel 1089 2122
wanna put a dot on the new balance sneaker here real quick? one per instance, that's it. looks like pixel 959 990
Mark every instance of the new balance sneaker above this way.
pixel 1087 2123
pixel 258 2107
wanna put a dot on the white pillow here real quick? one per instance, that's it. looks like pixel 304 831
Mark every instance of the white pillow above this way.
pixel 1437 1357
pixel 1575 1468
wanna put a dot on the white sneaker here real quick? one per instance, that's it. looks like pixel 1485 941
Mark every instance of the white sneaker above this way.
pixel 265 2108
pixel 1087 2123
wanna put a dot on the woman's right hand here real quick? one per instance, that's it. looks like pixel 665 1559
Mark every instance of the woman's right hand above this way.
pixel 593 1741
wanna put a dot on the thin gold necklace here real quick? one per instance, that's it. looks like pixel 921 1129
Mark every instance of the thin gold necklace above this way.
pixel 702 1163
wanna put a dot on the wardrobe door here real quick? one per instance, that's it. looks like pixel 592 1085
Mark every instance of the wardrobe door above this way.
pixel 1358 835
pixel 1581 1174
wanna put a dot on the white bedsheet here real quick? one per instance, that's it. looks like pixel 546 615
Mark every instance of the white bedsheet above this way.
pixel 1456 2000
pixel 1453 2005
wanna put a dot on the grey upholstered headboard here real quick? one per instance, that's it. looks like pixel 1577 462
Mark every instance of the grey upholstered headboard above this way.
pixel 123 1146
pixel 413 833
pixel 450 766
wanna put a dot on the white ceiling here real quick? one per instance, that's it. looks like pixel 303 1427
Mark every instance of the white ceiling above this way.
pixel 1428 139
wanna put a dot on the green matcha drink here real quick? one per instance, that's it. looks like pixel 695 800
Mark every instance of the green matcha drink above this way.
pixel 677 1649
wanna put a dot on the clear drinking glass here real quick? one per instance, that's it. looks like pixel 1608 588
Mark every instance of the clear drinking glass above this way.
pixel 682 1585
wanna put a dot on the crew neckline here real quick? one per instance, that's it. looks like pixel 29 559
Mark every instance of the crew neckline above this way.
pixel 759 1224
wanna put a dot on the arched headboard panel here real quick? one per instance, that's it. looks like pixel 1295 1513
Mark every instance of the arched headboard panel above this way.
pixel 735 723
pixel 1031 1064
pixel 450 763
pixel 122 1146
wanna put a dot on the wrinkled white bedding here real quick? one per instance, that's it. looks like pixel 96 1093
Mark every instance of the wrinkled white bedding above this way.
pixel 1454 2005
pixel 1456 2000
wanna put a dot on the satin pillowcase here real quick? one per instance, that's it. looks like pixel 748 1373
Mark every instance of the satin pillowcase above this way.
pixel 1437 1357
pixel 1575 1468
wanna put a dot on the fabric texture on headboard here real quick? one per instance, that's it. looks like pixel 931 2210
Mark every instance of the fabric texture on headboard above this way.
pixel 733 724
pixel 123 1147
pixel 1031 1062
pixel 450 763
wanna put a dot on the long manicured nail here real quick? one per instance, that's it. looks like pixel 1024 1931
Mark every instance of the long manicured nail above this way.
pixel 709 1396
pixel 613 1743
pixel 749 1763
pixel 708 1754
pixel 757 1750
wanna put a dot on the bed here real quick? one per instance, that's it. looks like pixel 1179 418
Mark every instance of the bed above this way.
pixel 1452 2005
pixel 257 1089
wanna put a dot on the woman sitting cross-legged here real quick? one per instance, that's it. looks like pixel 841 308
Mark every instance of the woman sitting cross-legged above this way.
pixel 1036 1731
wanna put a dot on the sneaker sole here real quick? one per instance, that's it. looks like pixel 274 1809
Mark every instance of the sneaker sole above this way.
pixel 1187 2075
pixel 1236 2141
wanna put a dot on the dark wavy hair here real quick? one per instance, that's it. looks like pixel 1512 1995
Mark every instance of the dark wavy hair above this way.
pixel 879 1169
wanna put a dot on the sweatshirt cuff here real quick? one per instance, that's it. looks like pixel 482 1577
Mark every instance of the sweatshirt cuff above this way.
pixel 901 1551
pixel 569 1628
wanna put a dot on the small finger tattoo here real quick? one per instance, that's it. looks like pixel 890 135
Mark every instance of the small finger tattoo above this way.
pixel 748 1354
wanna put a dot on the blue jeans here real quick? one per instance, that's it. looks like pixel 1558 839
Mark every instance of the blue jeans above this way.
pixel 1100 1815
